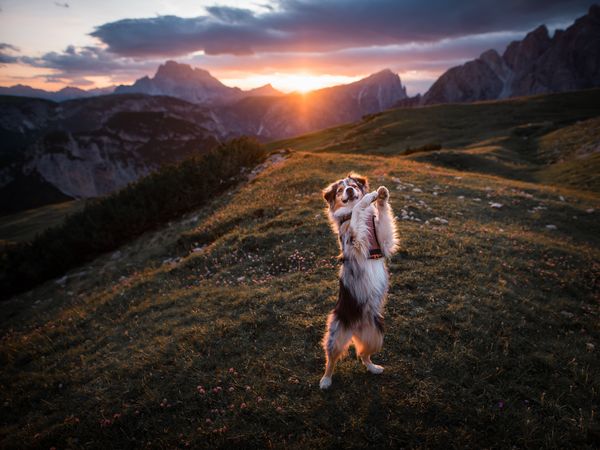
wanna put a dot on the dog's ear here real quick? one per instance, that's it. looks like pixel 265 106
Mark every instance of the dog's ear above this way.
pixel 329 193
pixel 363 182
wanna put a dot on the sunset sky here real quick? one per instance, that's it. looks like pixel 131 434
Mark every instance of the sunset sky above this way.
pixel 290 43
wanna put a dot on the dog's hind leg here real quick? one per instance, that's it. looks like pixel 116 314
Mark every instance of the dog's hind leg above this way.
pixel 368 339
pixel 335 343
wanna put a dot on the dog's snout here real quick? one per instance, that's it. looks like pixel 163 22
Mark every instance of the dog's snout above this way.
pixel 349 190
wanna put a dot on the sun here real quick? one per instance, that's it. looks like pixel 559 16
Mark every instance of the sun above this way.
pixel 303 82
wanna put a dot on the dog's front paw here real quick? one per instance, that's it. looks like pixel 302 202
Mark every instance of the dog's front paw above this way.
pixel 382 193
pixel 374 368
pixel 367 200
pixel 325 383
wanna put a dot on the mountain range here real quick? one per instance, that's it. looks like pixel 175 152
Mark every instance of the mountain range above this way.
pixel 538 64
pixel 191 84
pixel 89 147
pixel 66 93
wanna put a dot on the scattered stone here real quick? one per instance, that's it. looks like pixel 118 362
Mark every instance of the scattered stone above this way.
pixel 562 199
pixel 417 190
pixel 198 249
pixel 440 220
pixel 590 347
pixel 461 197
pixel 240 279
pixel 567 314
pixel 496 205
pixel 589 210
pixel 551 227
pixel 62 281
pixel 476 199
pixel 115 255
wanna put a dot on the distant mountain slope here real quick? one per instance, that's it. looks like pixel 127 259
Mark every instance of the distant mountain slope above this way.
pixel 509 138
pixel 539 64
pixel 66 93
pixel 90 147
pixel 191 84
pixel 278 117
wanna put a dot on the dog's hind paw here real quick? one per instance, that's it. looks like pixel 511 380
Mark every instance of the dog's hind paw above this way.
pixel 374 368
pixel 325 383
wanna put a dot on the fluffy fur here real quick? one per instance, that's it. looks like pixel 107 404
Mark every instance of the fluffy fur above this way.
pixel 358 314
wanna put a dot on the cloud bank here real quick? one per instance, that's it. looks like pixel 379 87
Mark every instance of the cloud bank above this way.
pixel 316 26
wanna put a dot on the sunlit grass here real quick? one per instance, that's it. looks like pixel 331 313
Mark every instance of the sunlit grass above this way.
pixel 206 333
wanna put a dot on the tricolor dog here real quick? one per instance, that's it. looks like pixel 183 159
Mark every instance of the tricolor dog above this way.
pixel 364 223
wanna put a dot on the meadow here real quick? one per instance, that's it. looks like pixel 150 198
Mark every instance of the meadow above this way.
pixel 205 332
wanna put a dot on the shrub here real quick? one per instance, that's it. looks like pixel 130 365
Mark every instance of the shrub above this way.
pixel 108 222
pixel 423 148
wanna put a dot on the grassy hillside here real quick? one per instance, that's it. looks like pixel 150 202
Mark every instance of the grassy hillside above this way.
pixel 105 223
pixel 25 225
pixel 206 333
pixel 507 138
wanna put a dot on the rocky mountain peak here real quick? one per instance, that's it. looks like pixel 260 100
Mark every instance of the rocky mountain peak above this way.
pixel 491 57
pixel 267 89
pixel 382 75
pixel 522 53
pixel 538 64
pixel 174 71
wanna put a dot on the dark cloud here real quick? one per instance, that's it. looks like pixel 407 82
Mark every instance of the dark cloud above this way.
pixel 436 56
pixel 61 5
pixel 83 60
pixel 230 15
pixel 7 55
pixel 316 26
pixel 4 46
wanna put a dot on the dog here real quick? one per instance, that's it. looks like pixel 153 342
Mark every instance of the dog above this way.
pixel 365 225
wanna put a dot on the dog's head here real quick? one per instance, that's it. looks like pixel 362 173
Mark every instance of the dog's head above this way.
pixel 345 193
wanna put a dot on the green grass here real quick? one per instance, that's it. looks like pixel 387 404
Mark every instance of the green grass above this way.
pixel 25 225
pixel 108 222
pixel 506 138
pixel 573 155
pixel 492 324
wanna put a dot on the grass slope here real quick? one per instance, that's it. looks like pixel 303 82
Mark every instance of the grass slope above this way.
pixel 206 333
pixel 25 225
pixel 509 138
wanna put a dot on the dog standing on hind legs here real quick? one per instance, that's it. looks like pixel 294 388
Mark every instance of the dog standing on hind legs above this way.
pixel 364 223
